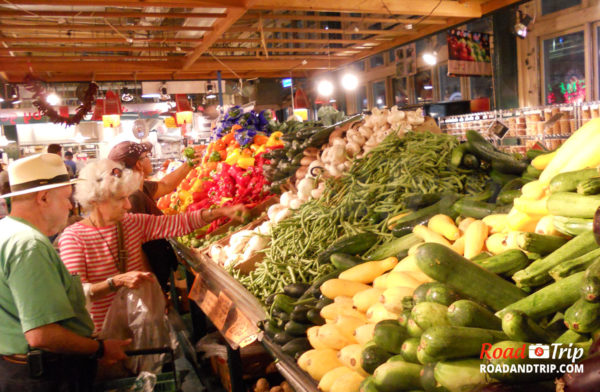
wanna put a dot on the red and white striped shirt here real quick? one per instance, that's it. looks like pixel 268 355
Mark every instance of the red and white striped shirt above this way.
pixel 92 252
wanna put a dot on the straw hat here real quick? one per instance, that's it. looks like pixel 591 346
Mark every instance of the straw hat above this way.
pixel 37 173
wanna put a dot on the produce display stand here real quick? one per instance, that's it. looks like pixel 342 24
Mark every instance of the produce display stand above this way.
pixel 235 312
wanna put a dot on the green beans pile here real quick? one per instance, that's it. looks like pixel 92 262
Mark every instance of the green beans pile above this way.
pixel 363 199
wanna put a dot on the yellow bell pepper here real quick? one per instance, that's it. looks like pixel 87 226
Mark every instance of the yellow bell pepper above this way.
pixel 196 186
pixel 260 149
pixel 274 140
pixel 233 157
pixel 245 162
pixel 183 195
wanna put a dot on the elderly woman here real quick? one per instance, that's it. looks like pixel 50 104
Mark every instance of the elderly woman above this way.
pixel 90 248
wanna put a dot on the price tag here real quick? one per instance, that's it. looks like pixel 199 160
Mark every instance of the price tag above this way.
pixel 219 314
pixel 242 332
pixel 198 290
pixel 209 304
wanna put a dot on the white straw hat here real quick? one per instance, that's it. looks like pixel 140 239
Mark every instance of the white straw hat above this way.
pixel 37 173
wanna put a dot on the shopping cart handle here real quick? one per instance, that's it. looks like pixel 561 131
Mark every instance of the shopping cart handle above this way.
pixel 149 351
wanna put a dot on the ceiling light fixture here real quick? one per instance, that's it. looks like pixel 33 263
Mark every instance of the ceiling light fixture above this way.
pixel 209 92
pixel 126 96
pixel 430 58
pixel 325 88
pixel 53 99
pixel 349 81
pixel 523 22
pixel 164 93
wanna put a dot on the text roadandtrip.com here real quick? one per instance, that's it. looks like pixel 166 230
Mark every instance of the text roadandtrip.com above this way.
pixel 555 351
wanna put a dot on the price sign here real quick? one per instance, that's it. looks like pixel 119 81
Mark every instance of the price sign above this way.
pixel 206 300
pixel 242 332
pixel 219 314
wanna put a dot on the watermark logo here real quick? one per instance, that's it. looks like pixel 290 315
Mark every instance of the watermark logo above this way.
pixel 539 351
pixel 555 351
pixel 553 358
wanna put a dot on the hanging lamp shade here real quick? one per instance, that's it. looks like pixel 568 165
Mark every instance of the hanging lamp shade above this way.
pixel 111 118
pixel 98 110
pixel 300 99
pixel 184 114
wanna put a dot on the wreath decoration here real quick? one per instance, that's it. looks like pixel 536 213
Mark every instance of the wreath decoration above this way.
pixel 35 86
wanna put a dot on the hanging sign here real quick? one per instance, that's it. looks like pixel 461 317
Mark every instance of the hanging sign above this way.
pixel 469 53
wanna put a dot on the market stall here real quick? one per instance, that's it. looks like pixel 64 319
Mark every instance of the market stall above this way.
pixel 382 274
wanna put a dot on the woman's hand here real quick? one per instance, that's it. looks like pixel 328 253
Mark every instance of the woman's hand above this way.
pixel 237 212
pixel 132 279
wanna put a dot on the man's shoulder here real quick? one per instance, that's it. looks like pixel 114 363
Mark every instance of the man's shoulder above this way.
pixel 18 237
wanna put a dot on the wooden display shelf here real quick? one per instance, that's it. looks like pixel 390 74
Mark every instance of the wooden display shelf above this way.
pixel 236 312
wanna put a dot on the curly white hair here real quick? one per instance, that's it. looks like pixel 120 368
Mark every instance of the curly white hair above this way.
pixel 102 179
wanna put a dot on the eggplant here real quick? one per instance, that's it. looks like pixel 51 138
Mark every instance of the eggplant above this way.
pixel 587 381
pixel 546 386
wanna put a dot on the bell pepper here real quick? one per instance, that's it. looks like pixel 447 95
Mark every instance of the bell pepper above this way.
pixel 260 140
pixel 163 202
pixel 183 194
pixel 228 138
pixel 245 162
pixel 220 145
pixel 215 156
pixel 247 152
pixel 196 186
pixel 233 157
pixel 185 185
pixel 260 149
pixel 189 153
pixel 275 139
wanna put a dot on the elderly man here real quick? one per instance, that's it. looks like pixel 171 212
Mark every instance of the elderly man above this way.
pixel 45 329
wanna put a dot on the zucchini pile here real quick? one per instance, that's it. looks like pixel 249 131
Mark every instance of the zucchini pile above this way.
pixel 301 140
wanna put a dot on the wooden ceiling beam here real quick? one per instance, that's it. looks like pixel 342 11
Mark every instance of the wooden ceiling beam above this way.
pixel 67 27
pixel 445 8
pixel 17 64
pixel 233 14
pixel 138 3
pixel 350 19
pixel 323 31
pixel 493 5
pixel 304 41
pixel 74 49
pixel 95 40
pixel 136 59
pixel 85 58
pixel 147 76
pixel 282 50
pixel 108 14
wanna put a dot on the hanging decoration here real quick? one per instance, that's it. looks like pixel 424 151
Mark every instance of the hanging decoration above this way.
pixel 111 117
pixel 184 114
pixel 34 85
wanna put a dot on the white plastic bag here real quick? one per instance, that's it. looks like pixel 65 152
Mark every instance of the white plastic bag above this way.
pixel 139 314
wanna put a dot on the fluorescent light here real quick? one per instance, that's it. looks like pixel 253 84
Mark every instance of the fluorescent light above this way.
pixel 325 88
pixel 349 82
pixel 428 87
pixel 151 95
pixel 430 58
pixel 53 99
pixel 211 96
